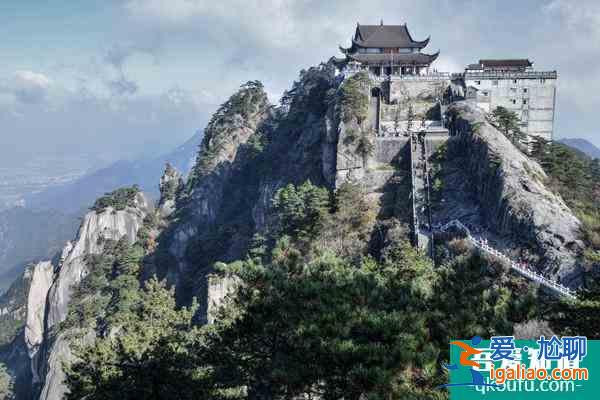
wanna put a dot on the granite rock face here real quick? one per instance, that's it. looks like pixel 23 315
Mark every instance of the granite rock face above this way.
pixel 248 153
pixel 171 183
pixel 42 277
pixel 51 288
pixel 228 131
pixel 510 195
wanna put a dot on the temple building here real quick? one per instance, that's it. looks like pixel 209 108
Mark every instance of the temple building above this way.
pixel 400 75
pixel 387 50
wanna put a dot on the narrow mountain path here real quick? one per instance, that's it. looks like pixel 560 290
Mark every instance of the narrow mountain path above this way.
pixel 521 268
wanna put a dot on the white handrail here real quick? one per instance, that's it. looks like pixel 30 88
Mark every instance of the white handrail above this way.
pixel 523 270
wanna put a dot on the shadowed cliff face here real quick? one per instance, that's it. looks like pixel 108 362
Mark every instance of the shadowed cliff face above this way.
pixel 491 183
pixel 250 150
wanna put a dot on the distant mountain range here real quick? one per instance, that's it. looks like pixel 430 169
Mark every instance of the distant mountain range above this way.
pixel 582 145
pixel 50 218
pixel 81 193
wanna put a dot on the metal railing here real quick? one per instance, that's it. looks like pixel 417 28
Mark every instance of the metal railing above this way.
pixel 510 75
pixel 518 267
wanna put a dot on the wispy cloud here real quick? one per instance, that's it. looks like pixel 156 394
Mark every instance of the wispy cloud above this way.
pixel 27 86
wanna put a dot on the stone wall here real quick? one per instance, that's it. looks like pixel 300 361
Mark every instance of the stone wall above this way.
pixel 425 90
pixel 388 150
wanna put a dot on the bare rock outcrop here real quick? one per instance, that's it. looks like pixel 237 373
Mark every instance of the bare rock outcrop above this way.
pixel 513 200
pixel 97 226
pixel 171 183
pixel 41 280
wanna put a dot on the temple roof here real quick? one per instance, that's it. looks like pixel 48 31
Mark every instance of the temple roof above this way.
pixel 511 63
pixel 386 36
pixel 396 59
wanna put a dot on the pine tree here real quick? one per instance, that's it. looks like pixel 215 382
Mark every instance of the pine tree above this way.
pixel 147 359
pixel 508 123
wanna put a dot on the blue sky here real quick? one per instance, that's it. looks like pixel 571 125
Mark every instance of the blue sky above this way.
pixel 118 79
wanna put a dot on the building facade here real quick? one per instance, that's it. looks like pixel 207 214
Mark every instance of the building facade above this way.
pixel 515 85
pixel 387 50
pixel 403 74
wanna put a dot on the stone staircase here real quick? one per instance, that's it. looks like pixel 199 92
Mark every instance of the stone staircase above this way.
pixel 420 193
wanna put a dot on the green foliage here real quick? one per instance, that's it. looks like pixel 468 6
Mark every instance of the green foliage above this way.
pixel 577 317
pixel 169 189
pixel 13 303
pixel 250 100
pixel 326 328
pixel 577 179
pixel 323 327
pixel 354 98
pixel 508 123
pixel 475 298
pixel 6 384
pixel 436 163
pixel 146 360
pixel 342 226
pixel 301 209
pixel 105 295
pixel 348 229
pixel 118 199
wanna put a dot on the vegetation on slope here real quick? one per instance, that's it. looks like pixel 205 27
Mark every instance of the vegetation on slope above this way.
pixel 576 178
pixel 354 107
pixel 6 384
pixel 250 100
pixel 508 122
pixel 13 304
pixel 307 318
pixel 118 199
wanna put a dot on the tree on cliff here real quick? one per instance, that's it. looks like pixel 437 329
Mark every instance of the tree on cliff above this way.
pixel 146 360
pixel 508 123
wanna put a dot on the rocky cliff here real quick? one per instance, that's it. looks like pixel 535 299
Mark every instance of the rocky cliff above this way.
pixel 322 131
pixel 48 294
pixel 490 183
pixel 250 149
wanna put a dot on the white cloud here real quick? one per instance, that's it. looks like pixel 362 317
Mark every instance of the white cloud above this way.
pixel 27 86
pixel 72 121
